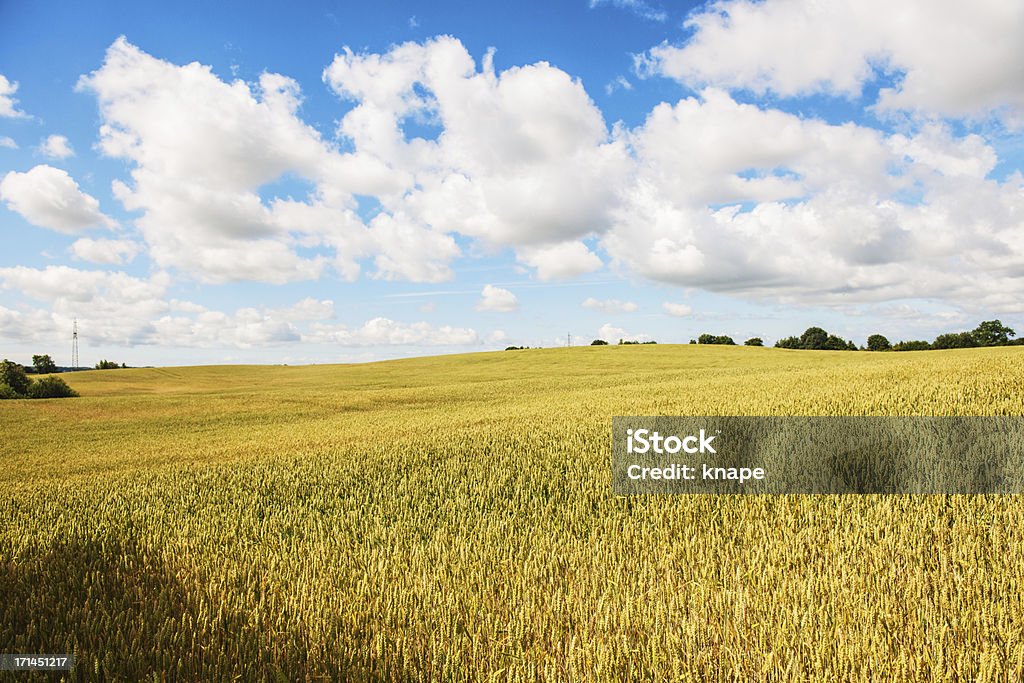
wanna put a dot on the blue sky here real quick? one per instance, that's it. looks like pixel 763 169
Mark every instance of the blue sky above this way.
pixel 226 182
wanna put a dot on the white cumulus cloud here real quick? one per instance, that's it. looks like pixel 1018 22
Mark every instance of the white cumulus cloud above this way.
pixel 49 198
pixel 497 299
pixel 799 47
pixel 612 334
pixel 387 332
pixel 105 251
pixel 524 157
pixel 609 305
pixel 201 149
pixel 56 147
pixel 763 204
pixel 559 261
pixel 8 103
pixel 677 309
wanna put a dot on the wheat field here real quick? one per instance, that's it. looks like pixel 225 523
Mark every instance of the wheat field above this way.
pixel 451 519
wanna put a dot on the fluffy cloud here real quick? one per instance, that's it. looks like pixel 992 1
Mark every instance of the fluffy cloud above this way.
pixel 497 299
pixel 713 150
pixel 201 150
pixel 934 150
pixel 560 261
pixel 8 104
pixel 114 307
pixel 523 157
pixel 411 251
pixel 105 251
pixel 49 198
pixel 609 305
pixel 7 142
pixel 28 325
pixel 611 334
pixel 56 147
pixel 190 325
pixel 676 309
pixel 797 47
pixel 384 331
pixel 738 199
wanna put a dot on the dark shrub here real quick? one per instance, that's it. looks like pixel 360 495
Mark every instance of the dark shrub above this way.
pixel 13 375
pixel 599 342
pixel 51 387
pixel 754 341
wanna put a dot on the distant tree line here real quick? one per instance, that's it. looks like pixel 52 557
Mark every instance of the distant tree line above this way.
pixel 987 333
pixel 15 383
pixel 43 364
pixel 725 340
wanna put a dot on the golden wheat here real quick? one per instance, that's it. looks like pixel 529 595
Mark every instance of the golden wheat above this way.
pixel 452 519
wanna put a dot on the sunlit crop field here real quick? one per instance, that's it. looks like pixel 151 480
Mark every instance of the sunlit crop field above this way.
pixel 452 519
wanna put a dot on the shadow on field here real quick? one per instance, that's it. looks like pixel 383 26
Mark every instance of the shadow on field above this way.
pixel 126 615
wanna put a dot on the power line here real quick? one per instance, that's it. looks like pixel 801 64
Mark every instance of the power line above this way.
pixel 74 345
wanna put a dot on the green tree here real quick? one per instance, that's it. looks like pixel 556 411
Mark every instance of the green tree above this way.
pixel 788 343
pixel 599 342
pixel 44 364
pixel 877 342
pixel 754 341
pixel 992 333
pixel 954 340
pixel 914 345
pixel 13 375
pixel 107 365
pixel 834 343
pixel 716 339
pixel 814 338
